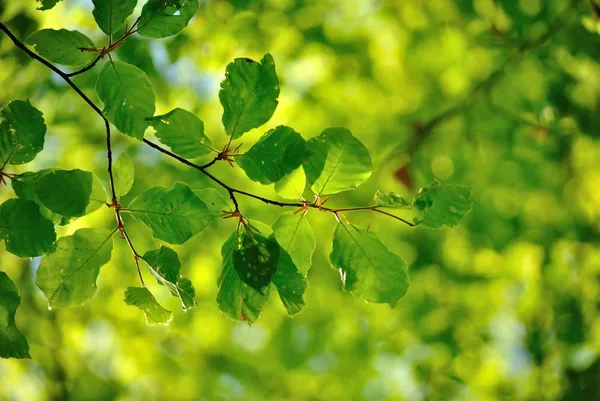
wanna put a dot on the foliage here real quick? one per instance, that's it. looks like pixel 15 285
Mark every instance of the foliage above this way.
pixel 359 129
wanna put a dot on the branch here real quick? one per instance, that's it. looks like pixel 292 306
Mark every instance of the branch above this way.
pixel 232 191
pixel 115 205
pixel 86 68
pixel 67 79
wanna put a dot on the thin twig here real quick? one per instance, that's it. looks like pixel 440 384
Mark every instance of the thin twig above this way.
pixel 232 191
pixel 86 68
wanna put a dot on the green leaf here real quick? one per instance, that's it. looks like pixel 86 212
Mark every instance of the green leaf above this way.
pixel 214 200
pixel 390 200
pixel 110 15
pixel 64 192
pixel 174 214
pixel 23 228
pixel 292 185
pixel 248 94
pixel 367 268
pixel 124 174
pixel 164 264
pixel 290 283
pixel 47 4
pixel 163 18
pixel 236 299
pixel 24 186
pixel 183 132
pixel 21 185
pixel 440 205
pixel 128 97
pixel 67 276
pixel 255 258
pixel 278 152
pixel 13 343
pixel 62 46
pixel 296 236
pixel 338 162
pixel 143 299
pixel 27 131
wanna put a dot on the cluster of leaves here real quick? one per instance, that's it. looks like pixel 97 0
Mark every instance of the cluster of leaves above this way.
pixel 256 257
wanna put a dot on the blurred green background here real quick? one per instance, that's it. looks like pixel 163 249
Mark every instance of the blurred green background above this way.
pixel 500 95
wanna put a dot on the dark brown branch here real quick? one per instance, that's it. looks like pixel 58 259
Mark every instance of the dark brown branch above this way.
pixel 67 79
pixel 233 191
pixel 86 68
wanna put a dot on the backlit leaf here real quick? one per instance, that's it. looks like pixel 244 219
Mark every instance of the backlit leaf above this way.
pixel 123 171
pixel 13 343
pixel 236 299
pixel 128 97
pixel 67 276
pixel 278 152
pixel 22 132
pixel 368 269
pixel 183 132
pixel 25 231
pixel 255 258
pixel 297 237
pixel 292 185
pixel 63 46
pixel 64 192
pixel 162 18
pixel 248 94
pixel 338 162
pixel 173 214
pixel 142 298
pixel 390 200
pixel 165 266
pixel 110 15
pixel 290 283
pixel 439 205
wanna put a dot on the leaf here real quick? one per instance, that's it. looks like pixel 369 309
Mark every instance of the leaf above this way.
pixel 163 18
pixel 62 46
pixel 278 152
pixel 390 200
pixel 47 4
pixel 24 186
pixel 236 299
pixel 143 299
pixel 174 214
pixel 214 200
pixel 440 205
pixel 367 268
pixel 255 258
pixel 13 343
pixel 296 236
pixel 67 276
pixel 183 132
pixel 292 185
pixel 64 192
pixel 248 94
pixel 27 128
pixel 128 97
pixel 338 162
pixel 290 283
pixel 164 264
pixel 21 185
pixel 124 174
pixel 23 228
pixel 110 15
